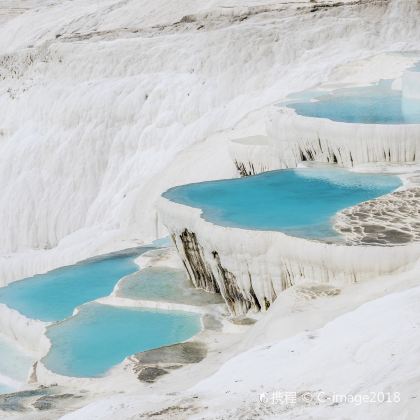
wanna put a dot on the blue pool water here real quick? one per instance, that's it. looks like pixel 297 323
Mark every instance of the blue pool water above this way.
pixel 53 296
pixel 375 104
pixel 300 202
pixel 415 67
pixel 5 389
pixel 101 336
pixel 164 284
pixel 164 242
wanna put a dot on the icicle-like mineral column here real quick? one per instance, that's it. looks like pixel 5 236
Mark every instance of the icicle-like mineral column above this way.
pixel 253 155
pixel 250 268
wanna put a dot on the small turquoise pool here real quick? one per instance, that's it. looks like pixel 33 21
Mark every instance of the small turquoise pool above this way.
pixel 101 336
pixel 53 296
pixel 374 104
pixel 300 202
pixel 165 284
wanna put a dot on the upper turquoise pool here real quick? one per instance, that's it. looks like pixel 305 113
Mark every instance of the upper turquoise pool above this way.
pixel 300 202
pixel 101 336
pixel 374 104
pixel 53 296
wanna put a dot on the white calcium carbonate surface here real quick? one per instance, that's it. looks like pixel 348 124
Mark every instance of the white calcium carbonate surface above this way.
pixel 106 104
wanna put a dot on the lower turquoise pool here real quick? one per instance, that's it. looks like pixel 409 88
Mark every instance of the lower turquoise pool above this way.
pixel 101 336
pixel 300 202
pixel 54 296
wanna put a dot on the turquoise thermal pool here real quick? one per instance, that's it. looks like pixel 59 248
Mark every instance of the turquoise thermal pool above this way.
pixel 101 336
pixel 53 296
pixel 374 104
pixel 164 284
pixel 300 202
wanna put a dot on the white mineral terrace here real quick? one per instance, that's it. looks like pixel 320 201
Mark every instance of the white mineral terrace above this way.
pixel 253 155
pixel 251 268
pixel 296 138
pixel 289 138
pixel 293 138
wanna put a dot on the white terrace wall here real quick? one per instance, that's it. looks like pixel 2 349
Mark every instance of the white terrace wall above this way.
pixel 250 268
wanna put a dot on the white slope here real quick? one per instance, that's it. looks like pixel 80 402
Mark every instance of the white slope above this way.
pixel 371 350
pixel 314 348
pixel 105 104
pixel 15 365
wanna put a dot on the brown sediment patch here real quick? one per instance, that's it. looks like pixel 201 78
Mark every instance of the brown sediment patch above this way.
pixel 314 291
pixel 42 398
pixel 181 353
pixel 48 402
pixel 149 374
pixel 151 365
pixel 172 411
pixel 243 321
